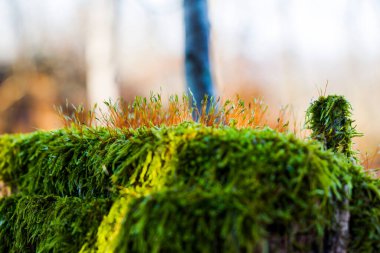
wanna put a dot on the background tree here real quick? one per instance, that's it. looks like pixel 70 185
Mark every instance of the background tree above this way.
pixel 100 51
pixel 197 61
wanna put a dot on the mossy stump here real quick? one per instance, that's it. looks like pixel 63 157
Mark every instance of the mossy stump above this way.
pixel 329 118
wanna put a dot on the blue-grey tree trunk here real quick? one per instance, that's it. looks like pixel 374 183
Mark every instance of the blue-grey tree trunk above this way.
pixel 197 60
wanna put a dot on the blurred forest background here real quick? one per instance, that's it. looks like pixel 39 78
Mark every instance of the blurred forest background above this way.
pixel 283 51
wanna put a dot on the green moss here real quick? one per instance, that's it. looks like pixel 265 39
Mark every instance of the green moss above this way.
pixel 330 120
pixel 48 223
pixel 365 214
pixel 10 166
pixel 110 227
pixel 73 163
pixel 275 185
pixel 185 188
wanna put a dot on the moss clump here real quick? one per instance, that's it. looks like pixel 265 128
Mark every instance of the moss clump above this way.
pixel 330 120
pixel 49 223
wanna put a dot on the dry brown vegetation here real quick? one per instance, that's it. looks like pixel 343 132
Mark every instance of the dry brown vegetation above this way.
pixel 153 111
pixel 371 162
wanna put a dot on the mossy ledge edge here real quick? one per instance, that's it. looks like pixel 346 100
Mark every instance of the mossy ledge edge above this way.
pixel 184 188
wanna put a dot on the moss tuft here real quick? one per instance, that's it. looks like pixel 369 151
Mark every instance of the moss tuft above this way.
pixel 330 120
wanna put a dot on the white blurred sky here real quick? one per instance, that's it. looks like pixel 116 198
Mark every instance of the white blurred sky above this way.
pixel 293 46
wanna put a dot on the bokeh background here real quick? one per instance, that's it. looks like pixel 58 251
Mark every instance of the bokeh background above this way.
pixel 283 51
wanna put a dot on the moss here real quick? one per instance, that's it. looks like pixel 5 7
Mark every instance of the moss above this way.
pixel 330 120
pixel 275 185
pixel 49 223
pixel 72 163
pixel 7 228
pixel 183 188
pixel 365 214
pixel 9 165
pixel 151 111
pixel 110 227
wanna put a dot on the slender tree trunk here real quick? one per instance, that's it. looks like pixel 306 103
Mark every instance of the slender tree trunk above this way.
pixel 197 61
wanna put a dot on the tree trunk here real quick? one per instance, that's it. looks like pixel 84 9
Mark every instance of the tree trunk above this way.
pixel 100 55
pixel 197 62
